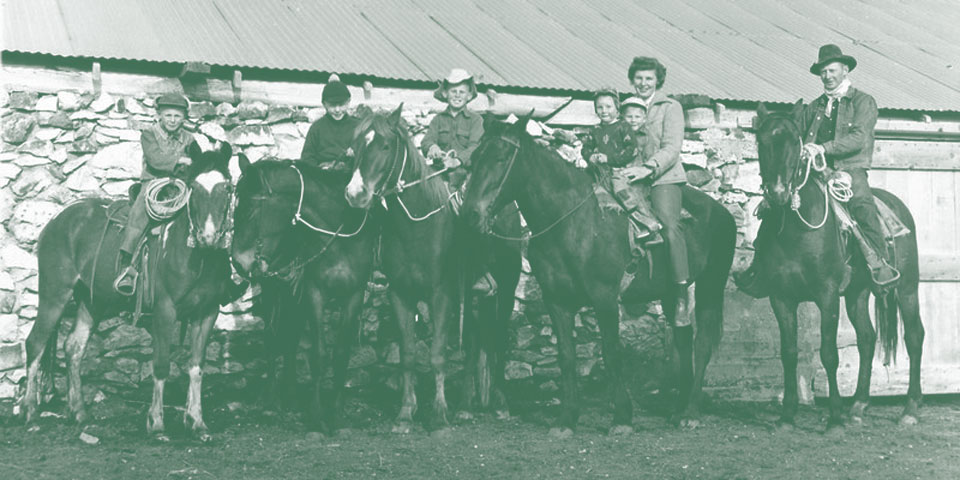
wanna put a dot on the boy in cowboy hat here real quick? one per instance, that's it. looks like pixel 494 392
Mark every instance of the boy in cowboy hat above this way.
pixel 455 132
pixel 328 141
pixel 840 126
pixel 164 147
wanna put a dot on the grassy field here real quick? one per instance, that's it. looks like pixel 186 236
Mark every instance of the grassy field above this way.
pixel 737 440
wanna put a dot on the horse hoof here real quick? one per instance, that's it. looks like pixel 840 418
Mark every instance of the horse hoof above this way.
pixel 908 420
pixel 33 429
pixel 689 423
pixel 401 428
pixel 856 420
pixel 162 438
pixel 503 415
pixel 561 432
pixel 621 430
pixel 443 433
pixel 315 436
pixel 464 416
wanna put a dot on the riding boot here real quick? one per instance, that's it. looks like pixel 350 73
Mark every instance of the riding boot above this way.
pixel 682 316
pixel 881 272
pixel 648 231
pixel 126 282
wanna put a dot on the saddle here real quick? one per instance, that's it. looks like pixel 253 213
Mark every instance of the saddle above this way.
pixel 145 257
pixel 644 227
pixel 890 223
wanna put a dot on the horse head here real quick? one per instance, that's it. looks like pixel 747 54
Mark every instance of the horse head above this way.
pixel 779 146
pixel 494 182
pixel 267 195
pixel 211 194
pixel 380 151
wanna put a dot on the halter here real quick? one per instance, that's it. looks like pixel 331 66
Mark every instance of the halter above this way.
pixel 807 163
pixel 401 185
pixel 503 181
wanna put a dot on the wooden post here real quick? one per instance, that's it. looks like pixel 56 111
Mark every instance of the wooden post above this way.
pixel 367 90
pixel 237 84
pixel 97 81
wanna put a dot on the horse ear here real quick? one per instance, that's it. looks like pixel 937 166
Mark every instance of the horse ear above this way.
pixel 226 151
pixel 762 111
pixel 797 109
pixel 521 124
pixel 194 151
pixel 395 115
pixel 243 162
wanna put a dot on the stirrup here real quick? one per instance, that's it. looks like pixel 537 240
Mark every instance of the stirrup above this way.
pixel 126 282
pixel 486 285
pixel 887 282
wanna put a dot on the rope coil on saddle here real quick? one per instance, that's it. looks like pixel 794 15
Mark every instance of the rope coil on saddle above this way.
pixel 161 209
pixel 840 188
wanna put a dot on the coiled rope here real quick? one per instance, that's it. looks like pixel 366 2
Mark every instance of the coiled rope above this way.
pixel 174 198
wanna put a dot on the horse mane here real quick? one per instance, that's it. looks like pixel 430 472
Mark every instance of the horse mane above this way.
pixel 435 188
pixel 572 174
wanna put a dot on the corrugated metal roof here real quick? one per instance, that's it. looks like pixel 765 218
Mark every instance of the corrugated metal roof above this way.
pixel 908 52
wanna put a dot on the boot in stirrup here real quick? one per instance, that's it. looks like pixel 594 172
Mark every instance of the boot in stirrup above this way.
pixel 126 282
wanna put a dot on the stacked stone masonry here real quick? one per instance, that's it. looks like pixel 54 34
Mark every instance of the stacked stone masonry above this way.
pixel 61 146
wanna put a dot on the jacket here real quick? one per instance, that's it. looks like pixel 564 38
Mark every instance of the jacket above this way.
pixel 328 140
pixel 461 133
pixel 162 150
pixel 664 127
pixel 852 144
pixel 615 140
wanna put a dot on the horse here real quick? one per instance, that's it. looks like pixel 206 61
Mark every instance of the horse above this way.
pixel 77 262
pixel 804 259
pixel 427 253
pixel 578 253
pixel 294 232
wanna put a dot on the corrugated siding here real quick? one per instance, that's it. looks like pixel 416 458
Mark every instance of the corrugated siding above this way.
pixel 909 52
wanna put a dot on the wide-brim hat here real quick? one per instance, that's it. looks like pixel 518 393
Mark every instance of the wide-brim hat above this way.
pixel 456 77
pixel 831 53
pixel 172 100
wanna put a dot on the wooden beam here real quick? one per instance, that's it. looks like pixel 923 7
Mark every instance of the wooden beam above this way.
pixel 916 155
pixel 194 69
pixel 237 86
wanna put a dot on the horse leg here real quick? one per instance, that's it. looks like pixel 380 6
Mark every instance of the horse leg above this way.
pixel 343 340
pixel 316 419
pixel 472 358
pixel 913 336
pixel 440 316
pixel 75 345
pixel 786 312
pixel 857 303
pixel 497 360
pixel 830 357
pixel 408 345
pixel 193 416
pixel 608 321
pixel 562 320
pixel 163 330
pixel 709 330
pixel 41 342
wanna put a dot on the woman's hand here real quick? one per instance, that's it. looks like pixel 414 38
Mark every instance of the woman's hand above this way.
pixel 635 174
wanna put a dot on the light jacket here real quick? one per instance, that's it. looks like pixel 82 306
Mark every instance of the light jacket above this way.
pixel 162 150
pixel 852 144
pixel 664 127
pixel 461 132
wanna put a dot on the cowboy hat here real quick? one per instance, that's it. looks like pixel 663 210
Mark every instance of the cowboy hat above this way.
pixel 456 77
pixel 831 53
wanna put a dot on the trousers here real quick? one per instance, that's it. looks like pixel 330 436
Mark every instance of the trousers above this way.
pixel 137 222
pixel 667 202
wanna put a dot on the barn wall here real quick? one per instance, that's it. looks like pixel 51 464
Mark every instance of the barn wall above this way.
pixel 61 144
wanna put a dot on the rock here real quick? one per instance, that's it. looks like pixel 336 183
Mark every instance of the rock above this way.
pixel 74 164
pixel 235 323
pixel 697 176
pixel 9 170
pixel 142 107
pixel 37 148
pixel 103 103
pixel 733 197
pixel 314 114
pixel 251 135
pixel 288 129
pixel 29 218
pixel 23 100
pixel 527 356
pixel 85 145
pixel 59 120
pixel 280 113
pixel 585 367
pixel 525 336
pixel 289 147
pixel 124 134
pixel 117 189
pixel 67 100
pixel 363 356
pixel 127 365
pixel 32 181
pixel 17 127
pixel 11 356
pixel 109 323
pixel 8 302
pixel 47 133
pixel 82 180
pixel 697 159
pixel 203 109
pixel 252 110
pixel 66 136
pixel 9 328
pixel 31 161
pixel 46 103
pixel 118 123
pixel 587 350
pixel 303 128
pixel 691 146
pixel 212 352
pixel 392 354
pixel 748 178
pixel 549 372
pixel 7 202
pixel 126 156
pixel 59 155
pixel 6 281
pixel 549 351
pixel 86 115
pixel 739 215
pixel 127 336
pixel 225 109
pixel 517 370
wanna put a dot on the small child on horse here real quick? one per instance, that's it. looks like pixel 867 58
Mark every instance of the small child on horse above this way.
pixel 455 132
pixel 328 141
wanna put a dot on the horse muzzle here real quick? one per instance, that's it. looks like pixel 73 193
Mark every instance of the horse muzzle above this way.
pixel 777 194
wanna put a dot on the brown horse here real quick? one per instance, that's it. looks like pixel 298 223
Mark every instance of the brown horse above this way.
pixel 77 261
pixel 295 235
pixel 804 258
pixel 579 252
pixel 428 256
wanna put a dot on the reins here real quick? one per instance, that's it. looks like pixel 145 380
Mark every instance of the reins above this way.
pixel 401 185
pixel 298 216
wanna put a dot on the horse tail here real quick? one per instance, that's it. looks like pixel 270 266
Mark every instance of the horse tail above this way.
pixel 712 282
pixel 887 317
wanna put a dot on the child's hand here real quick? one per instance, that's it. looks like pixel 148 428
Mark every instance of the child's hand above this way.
pixel 349 152
pixel 184 161
pixel 434 152
pixel 635 174
pixel 598 158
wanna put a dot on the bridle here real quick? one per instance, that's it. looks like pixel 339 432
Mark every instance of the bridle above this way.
pixel 398 188
pixel 528 235
pixel 805 165
pixel 224 231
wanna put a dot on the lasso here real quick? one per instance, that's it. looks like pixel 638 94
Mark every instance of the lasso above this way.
pixel 840 188
pixel 160 210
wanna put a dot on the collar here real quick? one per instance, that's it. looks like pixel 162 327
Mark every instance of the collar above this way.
pixel 167 135
pixel 466 112
pixel 842 90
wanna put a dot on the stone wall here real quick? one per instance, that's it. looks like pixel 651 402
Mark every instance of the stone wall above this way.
pixel 61 146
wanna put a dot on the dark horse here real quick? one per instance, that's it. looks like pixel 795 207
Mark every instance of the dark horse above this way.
pixel 578 253
pixel 807 264
pixel 77 260
pixel 428 257
pixel 296 235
